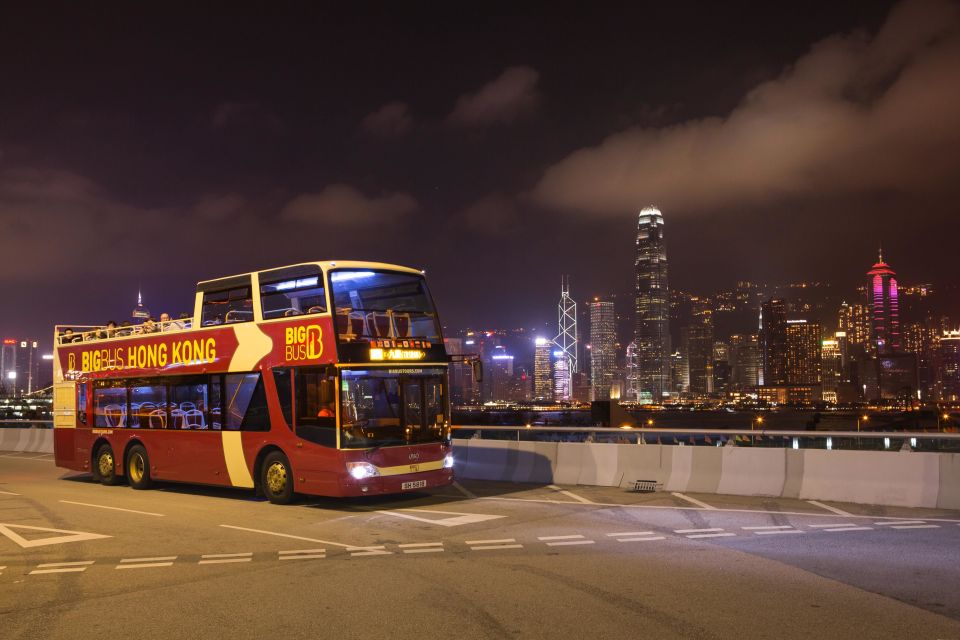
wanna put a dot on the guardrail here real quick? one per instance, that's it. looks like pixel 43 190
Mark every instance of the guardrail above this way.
pixel 855 440
pixel 26 424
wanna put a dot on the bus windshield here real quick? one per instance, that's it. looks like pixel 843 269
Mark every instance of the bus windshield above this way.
pixel 382 305
pixel 381 408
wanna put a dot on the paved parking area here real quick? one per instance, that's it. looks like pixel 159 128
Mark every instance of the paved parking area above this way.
pixel 480 559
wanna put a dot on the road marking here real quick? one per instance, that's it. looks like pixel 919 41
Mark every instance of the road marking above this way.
pixel 694 501
pixel 62 567
pixel 640 539
pixel 9 493
pixel 455 518
pixel 899 522
pixel 570 494
pixel 839 512
pixel 777 532
pixel 850 529
pixel 916 526
pixel 573 537
pixel 488 545
pixel 780 526
pixel 697 530
pixel 146 563
pixel 568 543
pixel 22 458
pixel 712 535
pixel 829 526
pixel 466 492
pixel 73 536
pixel 103 506
pixel 496 546
pixel 302 554
pixel 368 551
pixel 631 533
pixel 422 547
pixel 287 535
pixel 225 558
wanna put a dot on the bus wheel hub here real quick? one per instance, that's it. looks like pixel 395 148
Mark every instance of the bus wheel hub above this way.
pixel 276 477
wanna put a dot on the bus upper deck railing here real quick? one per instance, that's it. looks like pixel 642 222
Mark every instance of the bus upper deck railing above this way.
pixel 97 333
pixel 795 439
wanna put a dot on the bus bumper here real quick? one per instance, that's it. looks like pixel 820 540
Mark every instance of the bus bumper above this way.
pixel 381 485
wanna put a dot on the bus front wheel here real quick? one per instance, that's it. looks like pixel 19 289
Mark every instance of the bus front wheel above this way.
pixel 276 478
pixel 138 468
pixel 104 466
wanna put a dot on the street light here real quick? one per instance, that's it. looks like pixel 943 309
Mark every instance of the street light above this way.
pixel 863 418
pixel 945 417
pixel 649 422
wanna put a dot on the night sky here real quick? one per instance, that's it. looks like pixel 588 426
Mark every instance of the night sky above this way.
pixel 493 145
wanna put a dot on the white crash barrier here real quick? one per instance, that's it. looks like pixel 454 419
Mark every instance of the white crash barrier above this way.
pixel 894 478
pixel 26 440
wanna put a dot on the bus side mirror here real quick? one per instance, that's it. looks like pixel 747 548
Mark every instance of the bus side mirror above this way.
pixel 477 367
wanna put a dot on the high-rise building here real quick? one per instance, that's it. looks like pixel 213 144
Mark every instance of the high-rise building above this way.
pixel 603 357
pixel 562 389
pixel 773 342
pixel 19 367
pixel 885 308
pixel 501 376
pixel 653 306
pixel 542 372
pixel 804 355
pixel 948 367
pixel 699 348
pixel 832 368
pixel 567 338
pixel 744 361
pixel 854 321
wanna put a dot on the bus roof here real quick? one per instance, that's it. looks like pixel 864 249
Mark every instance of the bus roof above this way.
pixel 325 266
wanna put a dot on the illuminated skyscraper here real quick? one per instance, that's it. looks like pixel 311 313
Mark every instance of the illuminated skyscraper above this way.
pixel 804 352
pixel 773 342
pixel 542 373
pixel 561 376
pixel 885 307
pixel 948 367
pixel 603 357
pixel 19 367
pixel 653 306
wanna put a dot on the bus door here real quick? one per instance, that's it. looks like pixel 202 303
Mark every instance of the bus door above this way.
pixel 66 415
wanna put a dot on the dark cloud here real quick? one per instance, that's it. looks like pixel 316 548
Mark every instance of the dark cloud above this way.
pixel 856 114
pixel 512 95
pixel 492 215
pixel 391 120
pixel 341 205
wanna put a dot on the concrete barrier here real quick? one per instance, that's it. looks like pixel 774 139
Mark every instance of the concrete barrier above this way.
pixel 27 440
pixel 910 479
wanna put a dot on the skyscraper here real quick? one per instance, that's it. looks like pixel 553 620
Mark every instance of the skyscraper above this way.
pixel 603 337
pixel 885 307
pixel 804 353
pixel 542 373
pixel 19 367
pixel 773 342
pixel 653 306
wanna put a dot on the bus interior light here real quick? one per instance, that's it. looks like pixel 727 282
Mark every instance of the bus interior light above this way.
pixel 362 470
pixel 351 275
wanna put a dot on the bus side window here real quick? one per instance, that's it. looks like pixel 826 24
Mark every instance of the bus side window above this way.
pixel 82 404
pixel 282 380
pixel 246 403
pixel 227 306
pixel 315 389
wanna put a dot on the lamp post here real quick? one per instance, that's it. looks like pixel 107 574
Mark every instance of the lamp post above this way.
pixel 860 419
pixel 944 417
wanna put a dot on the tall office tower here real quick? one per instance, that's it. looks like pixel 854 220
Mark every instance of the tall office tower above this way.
pixel 140 312
pixel 832 366
pixel 19 367
pixel 773 342
pixel 567 326
pixel 632 389
pixel 948 367
pixel 562 389
pixel 542 373
pixel 603 357
pixel 653 306
pixel 501 376
pixel 804 355
pixel 700 350
pixel 744 361
pixel 885 308
pixel 854 321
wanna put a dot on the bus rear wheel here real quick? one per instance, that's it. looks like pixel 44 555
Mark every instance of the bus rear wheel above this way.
pixel 104 467
pixel 138 468
pixel 276 478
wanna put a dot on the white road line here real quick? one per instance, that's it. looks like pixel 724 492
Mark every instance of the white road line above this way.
pixel 839 512
pixel 368 551
pixel 225 558
pixel 225 561
pixel 569 543
pixel 62 567
pixel 830 526
pixel 713 535
pixel 287 535
pixel 697 530
pixel 640 539
pixel 850 529
pixel 143 565
pixel 570 494
pixel 899 522
pixel 574 537
pixel 296 551
pixel 917 526
pixel 694 501
pixel 496 546
pixel 159 559
pixel 780 526
pixel 228 555
pixel 414 545
pixel 9 493
pixel 466 492
pixel 630 533
pixel 302 554
pixel 102 506
pixel 777 532
pixel 501 541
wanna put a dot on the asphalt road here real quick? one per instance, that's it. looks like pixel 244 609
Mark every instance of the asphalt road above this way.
pixel 483 560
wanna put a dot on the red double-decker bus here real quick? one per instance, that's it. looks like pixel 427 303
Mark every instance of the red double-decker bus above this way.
pixel 324 378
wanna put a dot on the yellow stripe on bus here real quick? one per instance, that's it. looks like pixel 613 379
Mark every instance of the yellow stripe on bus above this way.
pixel 236 463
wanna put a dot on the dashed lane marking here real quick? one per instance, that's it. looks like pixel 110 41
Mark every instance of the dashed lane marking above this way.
pixel 9 493
pixel 693 501
pixel 564 541
pixel 225 558
pixel 712 535
pixel 62 567
pixel 630 533
pixel 422 547
pixel 899 522
pixel 356 552
pixel 649 539
pixel 916 526
pixel 572 537
pixel 146 563
pixel 832 525
pixel 764 528
pixel 850 529
pixel 287 535
pixel 569 543
pixel 103 506
pixel 839 512
pixel 685 531
pixel 570 494
pixel 302 554
pixel 777 532
pixel 490 545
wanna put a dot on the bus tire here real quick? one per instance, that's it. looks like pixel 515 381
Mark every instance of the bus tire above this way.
pixel 276 478
pixel 105 468
pixel 138 467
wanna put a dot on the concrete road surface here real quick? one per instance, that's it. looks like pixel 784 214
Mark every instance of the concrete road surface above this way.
pixel 479 560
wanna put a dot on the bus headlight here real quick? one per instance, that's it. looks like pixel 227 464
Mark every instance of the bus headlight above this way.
pixel 448 461
pixel 362 470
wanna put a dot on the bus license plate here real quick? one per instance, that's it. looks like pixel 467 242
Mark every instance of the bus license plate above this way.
pixel 418 484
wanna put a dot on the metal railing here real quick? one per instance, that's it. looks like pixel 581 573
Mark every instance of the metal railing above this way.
pixel 855 440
